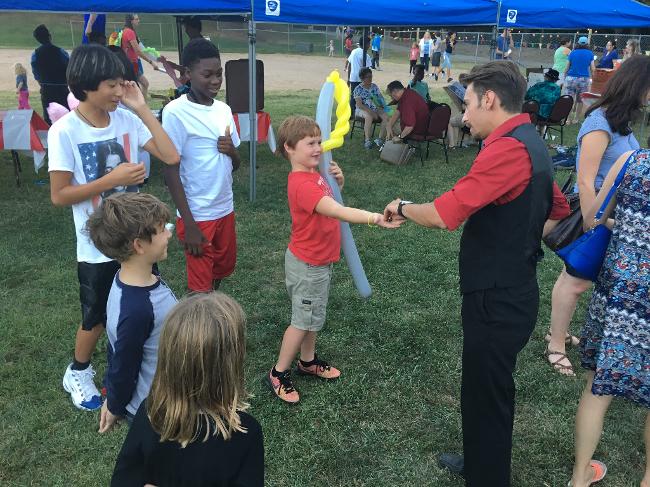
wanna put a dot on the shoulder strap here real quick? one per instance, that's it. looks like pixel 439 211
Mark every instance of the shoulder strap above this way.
pixel 615 186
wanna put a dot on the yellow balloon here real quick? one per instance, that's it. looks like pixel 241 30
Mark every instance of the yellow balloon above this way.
pixel 342 125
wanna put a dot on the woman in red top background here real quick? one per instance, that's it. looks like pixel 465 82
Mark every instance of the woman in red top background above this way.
pixel 131 47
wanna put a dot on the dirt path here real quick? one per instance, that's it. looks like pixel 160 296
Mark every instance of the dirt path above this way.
pixel 283 72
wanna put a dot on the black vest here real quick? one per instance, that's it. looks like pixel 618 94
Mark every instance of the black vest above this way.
pixel 501 244
pixel 51 65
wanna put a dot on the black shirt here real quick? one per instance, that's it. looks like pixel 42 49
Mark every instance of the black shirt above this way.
pixel 238 462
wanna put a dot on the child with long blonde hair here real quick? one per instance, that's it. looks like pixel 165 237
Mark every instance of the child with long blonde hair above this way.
pixel 192 429
pixel 21 87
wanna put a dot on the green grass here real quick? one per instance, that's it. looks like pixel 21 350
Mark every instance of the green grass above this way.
pixel 395 407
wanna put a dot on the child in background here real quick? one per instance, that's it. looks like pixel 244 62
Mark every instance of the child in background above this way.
pixel 330 49
pixel 203 130
pixel 193 428
pixel 21 87
pixel 130 228
pixel 414 56
pixel 95 77
pixel 314 246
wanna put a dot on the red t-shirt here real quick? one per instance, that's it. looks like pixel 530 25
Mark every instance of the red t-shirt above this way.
pixel 128 35
pixel 413 112
pixel 315 238
pixel 500 173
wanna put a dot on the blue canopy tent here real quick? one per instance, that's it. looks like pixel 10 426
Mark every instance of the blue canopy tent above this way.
pixel 572 14
pixel 376 12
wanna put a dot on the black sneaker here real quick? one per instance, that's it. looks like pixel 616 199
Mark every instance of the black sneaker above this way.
pixel 452 462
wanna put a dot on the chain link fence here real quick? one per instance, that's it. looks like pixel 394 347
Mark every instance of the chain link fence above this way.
pixel 233 36
pixel 530 49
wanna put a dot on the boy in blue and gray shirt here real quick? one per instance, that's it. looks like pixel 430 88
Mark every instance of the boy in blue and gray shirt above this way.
pixel 131 228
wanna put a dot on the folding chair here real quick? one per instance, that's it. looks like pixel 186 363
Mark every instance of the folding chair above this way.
pixel 362 121
pixel 558 117
pixel 532 108
pixel 436 131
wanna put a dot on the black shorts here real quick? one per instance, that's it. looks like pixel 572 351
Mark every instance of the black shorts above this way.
pixel 435 59
pixel 95 281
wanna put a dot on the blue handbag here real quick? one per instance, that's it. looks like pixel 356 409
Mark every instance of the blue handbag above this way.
pixel 587 253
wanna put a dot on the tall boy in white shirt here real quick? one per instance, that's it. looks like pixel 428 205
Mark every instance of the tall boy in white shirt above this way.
pixel 93 152
pixel 203 130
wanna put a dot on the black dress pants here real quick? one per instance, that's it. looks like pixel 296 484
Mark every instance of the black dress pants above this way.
pixel 53 94
pixel 497 324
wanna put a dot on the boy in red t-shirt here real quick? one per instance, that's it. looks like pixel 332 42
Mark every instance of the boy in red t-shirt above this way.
pixel 314 246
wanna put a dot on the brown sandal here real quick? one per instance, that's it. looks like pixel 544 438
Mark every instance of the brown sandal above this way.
pixel 562 369
pixel 569 340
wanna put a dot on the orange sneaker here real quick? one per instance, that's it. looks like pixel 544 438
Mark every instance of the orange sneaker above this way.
pixel 282 386
pixel 318 368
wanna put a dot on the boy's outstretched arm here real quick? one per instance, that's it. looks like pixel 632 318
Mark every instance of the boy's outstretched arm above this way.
pixel 328 206
pixel 160 145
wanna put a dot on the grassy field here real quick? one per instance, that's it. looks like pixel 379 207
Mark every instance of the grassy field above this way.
pixel 397 404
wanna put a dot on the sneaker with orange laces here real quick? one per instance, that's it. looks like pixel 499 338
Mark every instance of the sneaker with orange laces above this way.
pixel 282 386
pixel 318 368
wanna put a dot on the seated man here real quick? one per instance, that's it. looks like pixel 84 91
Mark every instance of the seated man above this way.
pixel 371 106
pixel 412 111
pixel 545 93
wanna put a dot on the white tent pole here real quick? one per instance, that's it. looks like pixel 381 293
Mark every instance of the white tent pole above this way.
pixel 496 31
pixel 252 102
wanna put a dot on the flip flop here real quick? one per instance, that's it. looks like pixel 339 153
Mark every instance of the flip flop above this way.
pixel 569 340
pixel 599 469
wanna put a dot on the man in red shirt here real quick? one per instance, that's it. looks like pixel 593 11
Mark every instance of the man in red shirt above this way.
pixel 412 111
pixel 506 200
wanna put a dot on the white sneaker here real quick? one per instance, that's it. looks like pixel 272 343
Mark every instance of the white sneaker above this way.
pixel 82 389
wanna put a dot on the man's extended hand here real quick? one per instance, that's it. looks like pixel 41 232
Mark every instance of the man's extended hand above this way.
pixel 390 212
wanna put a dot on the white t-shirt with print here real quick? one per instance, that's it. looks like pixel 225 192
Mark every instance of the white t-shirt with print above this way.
pixel 206 173
pixel 90 153
pixel 356 63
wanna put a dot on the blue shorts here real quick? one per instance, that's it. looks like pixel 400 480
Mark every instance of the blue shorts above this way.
pixel 446 60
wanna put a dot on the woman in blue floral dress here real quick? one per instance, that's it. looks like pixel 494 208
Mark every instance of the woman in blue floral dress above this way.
pixel 615 341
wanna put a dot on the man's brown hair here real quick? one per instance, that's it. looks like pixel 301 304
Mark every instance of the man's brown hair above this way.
pixel 123 217
pixel 292 130
pixel 501 77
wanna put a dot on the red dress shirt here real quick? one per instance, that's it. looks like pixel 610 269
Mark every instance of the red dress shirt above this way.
pixel 500 173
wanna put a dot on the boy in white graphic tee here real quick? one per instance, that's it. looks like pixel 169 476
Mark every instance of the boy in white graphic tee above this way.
pixel 93 152
pixel 203 130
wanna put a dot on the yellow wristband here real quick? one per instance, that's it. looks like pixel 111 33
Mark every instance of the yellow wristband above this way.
pixel 371 217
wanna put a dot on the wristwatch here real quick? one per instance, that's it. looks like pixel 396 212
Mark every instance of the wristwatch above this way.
pixel 400 205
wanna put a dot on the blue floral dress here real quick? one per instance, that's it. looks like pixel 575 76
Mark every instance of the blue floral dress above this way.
pixel 615 341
